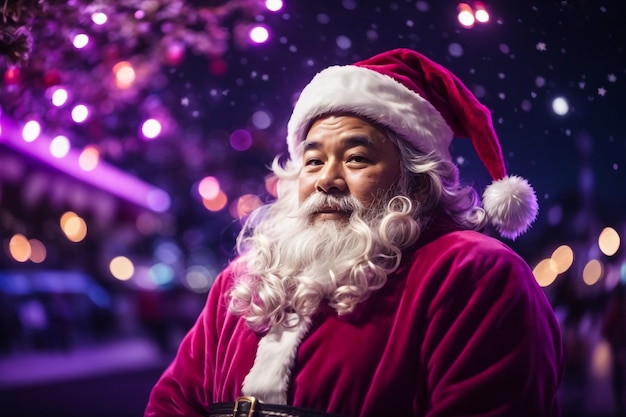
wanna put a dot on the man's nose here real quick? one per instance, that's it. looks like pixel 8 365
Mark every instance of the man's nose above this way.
pixel 331 179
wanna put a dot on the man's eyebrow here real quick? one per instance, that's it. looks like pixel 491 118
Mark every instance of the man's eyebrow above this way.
pixel 350 142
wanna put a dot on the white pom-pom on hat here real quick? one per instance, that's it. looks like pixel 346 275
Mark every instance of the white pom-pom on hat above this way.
pixel 511 205
pixel 428 106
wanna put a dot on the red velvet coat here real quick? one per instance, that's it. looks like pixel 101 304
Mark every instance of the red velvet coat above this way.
pixel 462 329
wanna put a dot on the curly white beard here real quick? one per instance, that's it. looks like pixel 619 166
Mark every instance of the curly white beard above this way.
pixel 291 264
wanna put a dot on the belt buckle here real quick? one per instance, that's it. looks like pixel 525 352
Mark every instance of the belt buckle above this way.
pixel 246 399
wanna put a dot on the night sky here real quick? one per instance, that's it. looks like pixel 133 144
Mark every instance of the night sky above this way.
pixel 526 56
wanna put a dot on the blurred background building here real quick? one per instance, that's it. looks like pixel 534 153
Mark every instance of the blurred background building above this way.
pixel 135 137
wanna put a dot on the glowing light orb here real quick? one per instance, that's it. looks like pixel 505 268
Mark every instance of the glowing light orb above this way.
pixel 59 97
pixel 121 268
pixel 73 226
pixel 274 5
pixel 259 34
pixel 124 74
pixel 99 18
pixel 563 257
pixel 59 146
pixel 199 278
pixel 161 274
pixel 560 106
pixel 209 188
pixel 37 251
pixel 89 158
pixel 31 130
pixel 19 248
pixel 217 203
pixel 246 204
pixel 343 42
pixel 158 200
pixel 609 241
pixel 80 41
pixel 545 272
pixel 481 14
pixel 241 140
pixel 75 229
pixel 151 128
pixel 593 271
pixel 80 113
pixel 466 15
pixel 261 119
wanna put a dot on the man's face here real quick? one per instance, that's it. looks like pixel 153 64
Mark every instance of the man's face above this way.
pixel 346 155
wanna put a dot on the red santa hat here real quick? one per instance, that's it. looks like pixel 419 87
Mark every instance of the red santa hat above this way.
pixel 426 105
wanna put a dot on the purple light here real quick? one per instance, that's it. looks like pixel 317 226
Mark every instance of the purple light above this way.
pixel 274 5
pixel 259 34
pixel 60 146
pixel 31 131
pixel 151 128
pixel 80 41
pixel 80 113
pixel 241 140
pixel 59 97
pixel 103 176
pixel 158 200
pixel 99 18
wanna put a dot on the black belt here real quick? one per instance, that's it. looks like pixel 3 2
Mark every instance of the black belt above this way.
pixel 251 407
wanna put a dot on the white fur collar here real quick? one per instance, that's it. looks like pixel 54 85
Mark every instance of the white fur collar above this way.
pixel 268 379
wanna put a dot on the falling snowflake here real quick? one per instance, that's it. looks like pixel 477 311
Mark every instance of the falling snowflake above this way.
pixel 581 85
pixel 601 91
pixel 541 46
pixel 612 78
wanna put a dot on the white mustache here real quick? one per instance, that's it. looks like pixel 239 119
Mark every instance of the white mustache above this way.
pixel 317 202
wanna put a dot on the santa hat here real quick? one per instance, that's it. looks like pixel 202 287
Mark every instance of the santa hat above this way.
pixel 427 106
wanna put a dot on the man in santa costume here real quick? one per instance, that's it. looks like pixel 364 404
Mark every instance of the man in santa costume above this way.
pixel 366 288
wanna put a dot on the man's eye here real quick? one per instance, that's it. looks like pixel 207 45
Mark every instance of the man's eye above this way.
pixel 358 159
pixel 313 161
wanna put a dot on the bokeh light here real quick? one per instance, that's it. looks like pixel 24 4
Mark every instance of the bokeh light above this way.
pixel 216 203
pixel 80 113
pixel 151 128
pixel 19 248
pixel 560 106
pixel 158 200
pixel 59 97
pixel 481 14
pixel 99 18
pixel 241 140
pixel 59 146
pixel 245 205
pixel 563 257
pixel 89 158
pixel 465 15
pixel 259 34
pixel 199 278
pixel 593 271
pixel 37 251
pixel 209 187
pixel 274 5
pixel 124 74
pixel 31 130
pixel 74 227
pixel 161 274
pixel 609 241
pixel 261 119
pixel 80 41
pixel 121 268
pixel 545 272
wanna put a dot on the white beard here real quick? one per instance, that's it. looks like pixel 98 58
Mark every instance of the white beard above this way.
pixel 291 264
